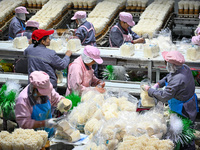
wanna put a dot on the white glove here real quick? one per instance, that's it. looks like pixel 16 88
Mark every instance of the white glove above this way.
pixel 50 123
pixel 72 30
pixel 156 86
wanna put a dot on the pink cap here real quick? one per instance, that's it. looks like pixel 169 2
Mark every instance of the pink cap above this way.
pixel 79 15
pixel 21 10
pixel 126 17
pixel 40 80
pixel 31 23
pixel 174 57
pixel 196 40
pixel 94 53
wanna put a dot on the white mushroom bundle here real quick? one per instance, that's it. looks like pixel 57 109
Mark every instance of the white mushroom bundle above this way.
pixel 127 49
pixel 7 7
pixel 56 45
pixel 74 45
pixel 151 50
pixel 36 3
pixel 102 13
pixel 153 17
pixel 193 53
pixel 144 143
pixel 67 132
pixel 20 42
pixel 50 13
pixel 84 3
pixel 22 139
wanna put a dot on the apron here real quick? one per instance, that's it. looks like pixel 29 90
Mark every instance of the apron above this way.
pixel 24 28
pixel 42 112
pixel 126 38
pixel 177 105
pixel 88 30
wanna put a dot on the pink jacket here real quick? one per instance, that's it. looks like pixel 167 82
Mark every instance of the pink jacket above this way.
pixel 196 40
pixel 79 78
pixel 23 108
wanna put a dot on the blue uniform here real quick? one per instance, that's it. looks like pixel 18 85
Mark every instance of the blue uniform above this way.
pixel 116 35
pixel 16 26
pixel 86 34
pixel 41 58
pixel 179 92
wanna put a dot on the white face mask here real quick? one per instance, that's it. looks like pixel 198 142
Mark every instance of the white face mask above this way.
pixel 171 67
pixel 81 21
pixel 86 59
pixel 21 16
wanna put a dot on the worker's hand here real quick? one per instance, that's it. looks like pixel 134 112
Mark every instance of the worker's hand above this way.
pixel 68 53
pixel 64 105
pixel 101 84
pixel 100 90
pixel 50 123
pixel 156 86
pixel 140 40
pixel 146 87
pixel 30 41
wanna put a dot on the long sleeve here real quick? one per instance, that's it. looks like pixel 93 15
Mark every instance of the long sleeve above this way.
pixel 55 97
pixel 81 33
pixel 59 63
pixel 180 86
pixel 75 78
pixel 166 94
pixel 134 35
pixel 23 114
pixel 196 40
pixel 116 37
pixel 162 81
pixel 95 80
pixel 16 28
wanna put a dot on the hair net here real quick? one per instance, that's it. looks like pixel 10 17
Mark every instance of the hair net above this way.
pixel 172 67
pixel 21 16
pixel 86 59
pixel 80 21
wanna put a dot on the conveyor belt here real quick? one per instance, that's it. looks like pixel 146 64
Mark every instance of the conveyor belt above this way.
pixel 114 85
pixel 104 39
pixel 169 21
pixel 6 25
pixel 111 56
pixel 66 19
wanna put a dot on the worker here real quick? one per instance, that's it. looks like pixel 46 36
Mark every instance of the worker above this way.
pixel 196 38
pixel 179 90
pixel 41 58
pixel 121 32
pixel 80 73
pixel 17 24
pixel 33 105
pixel 85 31
pixel 30 27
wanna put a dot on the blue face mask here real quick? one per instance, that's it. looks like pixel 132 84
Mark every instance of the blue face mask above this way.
pixel 35 94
